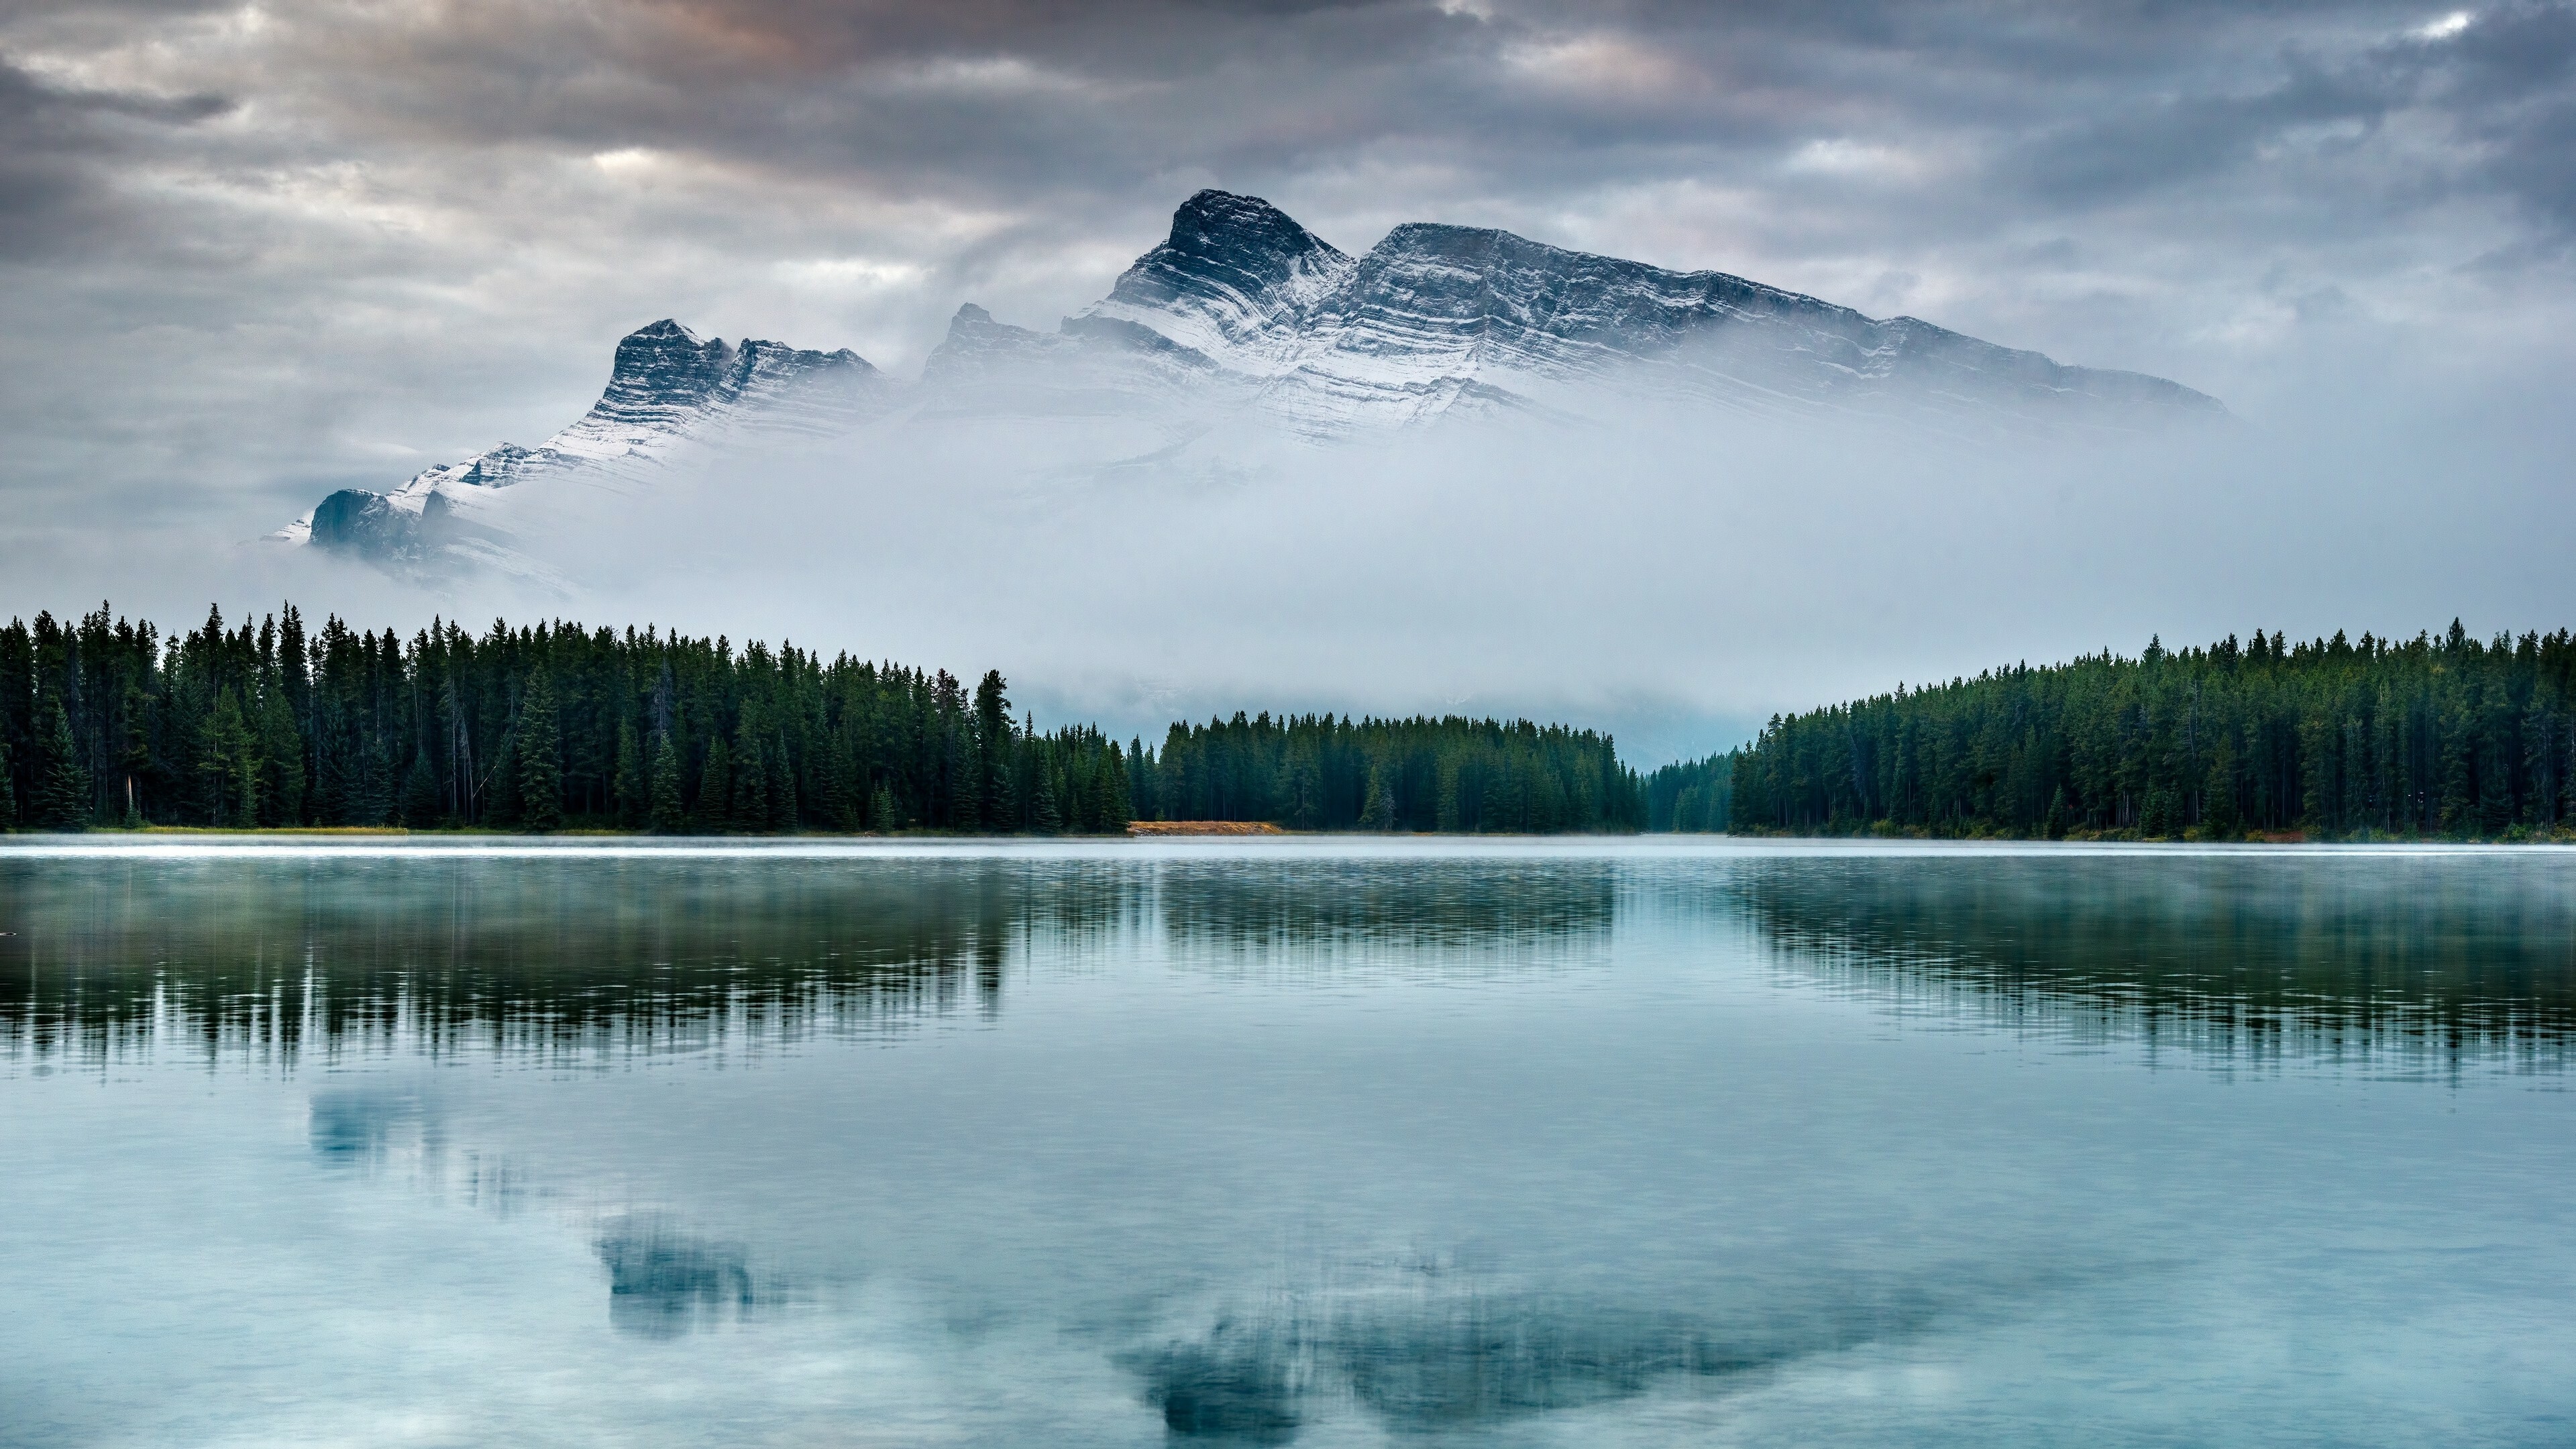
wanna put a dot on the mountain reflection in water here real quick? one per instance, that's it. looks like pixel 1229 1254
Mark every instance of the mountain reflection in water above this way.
pixel 1447 1351
pixel 1458 1366
pixel 665 1281
pixel 1346 1142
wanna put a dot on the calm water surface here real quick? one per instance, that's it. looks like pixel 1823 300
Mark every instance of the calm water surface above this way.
pixel 1323 1144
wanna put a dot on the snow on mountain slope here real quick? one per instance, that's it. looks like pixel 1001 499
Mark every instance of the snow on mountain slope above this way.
pixel 1237 282
pixel 1435 315
pixel 1243 325
pixel 667 388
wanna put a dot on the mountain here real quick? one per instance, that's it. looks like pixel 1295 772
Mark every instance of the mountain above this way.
pixel 668 387
pixel 1243 320
pixel 1436 316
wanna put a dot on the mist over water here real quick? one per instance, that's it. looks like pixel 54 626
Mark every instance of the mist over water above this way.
pixel 2450 957
pixel 1319 1143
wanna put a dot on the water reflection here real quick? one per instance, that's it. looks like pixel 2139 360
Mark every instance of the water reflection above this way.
pixel 1434 1350
pixel 572 959
pixel 2450 958
pixel 357 1127
pixel 1406 913
pixel 543 959
pixel 1569 1147
pixel 665 1281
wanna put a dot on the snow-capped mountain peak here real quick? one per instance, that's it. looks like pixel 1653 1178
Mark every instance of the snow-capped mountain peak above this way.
pixel 1242 319
pixel 1237 280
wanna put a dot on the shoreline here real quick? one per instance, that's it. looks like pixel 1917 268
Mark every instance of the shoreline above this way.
pixel 462 844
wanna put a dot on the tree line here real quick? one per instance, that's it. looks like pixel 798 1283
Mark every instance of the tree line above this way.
pixel 108 722
pixel 1452 774
pixel 1693 796
pixel 2439 736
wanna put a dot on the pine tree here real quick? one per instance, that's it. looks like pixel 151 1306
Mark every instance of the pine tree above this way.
pixel 1377 810
pixel 230 764
pixel 282 753
pixel 715 788
pixel 2155 821
pixel 8 789
pixel 2218 818
pixel 1116 811
pixel 884 816
pixel 993 791
pixel 750 783
pixel 498 795
pixel 782 786
pixel 668 816
pixel 420 793
pixel 62 787
pixel 1050 815
pixel 540 758
pixel 629 786
pixel 841 803
pixel 134 761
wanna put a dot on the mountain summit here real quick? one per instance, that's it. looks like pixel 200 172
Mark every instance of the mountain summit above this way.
pixel 1435 315
pixel 1242 318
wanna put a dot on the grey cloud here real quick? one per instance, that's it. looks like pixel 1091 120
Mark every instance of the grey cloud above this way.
pixel 2512 76
pixel 56 146
pixel 417 230
pixel 2498 91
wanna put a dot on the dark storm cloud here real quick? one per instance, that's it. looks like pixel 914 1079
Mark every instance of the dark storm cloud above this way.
pixel 57 148
pixel 2041 108
pixel 2499 85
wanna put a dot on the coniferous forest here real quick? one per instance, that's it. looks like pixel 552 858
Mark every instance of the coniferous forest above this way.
pixel 1692 796
pixel 2437 736
pixel 107 722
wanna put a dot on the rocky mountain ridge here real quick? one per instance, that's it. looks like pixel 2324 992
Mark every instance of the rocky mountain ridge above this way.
pixel 1243 318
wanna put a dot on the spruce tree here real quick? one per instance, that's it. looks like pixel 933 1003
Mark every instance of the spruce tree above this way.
pixel 372 800
pixel 841 803
pixel 715 788
pixel 219 758
pixel 1118 809
pixel 282 756
pixel 668 816
pixel 750 784
pixel 8 789
pixel 629 786
pixel 782 786
pixel 62 786
pixel 2218 818
pixel 420 793
pixel 540 749
pixel 1050 815
pixel 884 816
pixel 992 749
pixel 1377 810
pixel 2156 820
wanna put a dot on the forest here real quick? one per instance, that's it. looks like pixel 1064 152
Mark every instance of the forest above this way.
pixel 1693 796
pixel 2439 736
pixel 112 723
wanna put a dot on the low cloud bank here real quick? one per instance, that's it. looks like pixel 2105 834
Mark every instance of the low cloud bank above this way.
pixel 1665 575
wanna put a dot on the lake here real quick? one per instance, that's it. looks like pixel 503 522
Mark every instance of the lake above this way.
pixel 1313 1142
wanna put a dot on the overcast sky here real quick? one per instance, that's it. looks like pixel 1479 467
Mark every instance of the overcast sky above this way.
pixel 249 253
